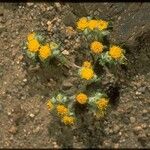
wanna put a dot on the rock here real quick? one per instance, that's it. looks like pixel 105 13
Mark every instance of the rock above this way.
pixel 116 129
pixel 66 85
pixel 32 115
pixel 137 129
pixel 142 89
pixel 37 129
pixel 69 19
pixel 138 93
pixel 13 130
pixel 65 52
pixel 116 145
pixel 24 80
pixel 58 5
pixel 30 4
pixel 132 119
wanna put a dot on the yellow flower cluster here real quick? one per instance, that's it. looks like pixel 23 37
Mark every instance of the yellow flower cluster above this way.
pixel 102 103
pixel 34 46
pixel 84 23
pixel 81 98
pixel 96 47
pixel 68 120
pixel 116 52
pixel 62 110
pixel 45 52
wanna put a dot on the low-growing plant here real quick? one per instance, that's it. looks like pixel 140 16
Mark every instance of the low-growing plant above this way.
pixel 101 50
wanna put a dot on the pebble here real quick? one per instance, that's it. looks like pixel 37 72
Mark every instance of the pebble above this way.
pixel 66 84
pixel 36 130
pixel 24 80
pixel 116 128
pixel 32 115
pixel 13 130
pixel 30 4
pixel 65 52
pixel 132 119
pixel 137 129
pixel 116 145
pixel 141 89
pixel 138 93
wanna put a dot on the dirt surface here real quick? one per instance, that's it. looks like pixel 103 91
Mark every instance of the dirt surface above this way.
pixel 24 119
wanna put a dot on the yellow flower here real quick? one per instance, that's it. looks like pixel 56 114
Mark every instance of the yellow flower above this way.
pixel 81 98
pixel 62 110
pixel 116 52
pixel 102 103
pixel 93 24
pixel 31 36
pixel 87 64
pixel 45 52
pixel 33 45
pixel 50 105
pixel 96 47
pixel 82 23
pixel 68 120
pixel 102 24
pixel 87 73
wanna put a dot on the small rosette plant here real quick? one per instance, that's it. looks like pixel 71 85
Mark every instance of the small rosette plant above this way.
pixel 87 74
pixel 38 49
pixel 98 104
pixel 93 28
pixel 60 106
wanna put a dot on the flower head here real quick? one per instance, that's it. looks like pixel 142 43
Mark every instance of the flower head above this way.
pixel 62 110
pixel 87 64
pixel 31 36
pixel 81 98
pixel 96 47
pixel 92 24
pixel 87 73
pixel 102 103
pixel 45 52
pixel 116 52
pixel 102 24
pixel 33 45
pixel 50 105
pixel 68 120
pixel 82 23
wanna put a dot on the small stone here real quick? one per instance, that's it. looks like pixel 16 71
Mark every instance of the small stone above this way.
pixel 32 115
pixel 142 89
pixel 66 84
pixel 36 130
pixel 58 5
pixel 65 52
pixel 116 129
pixel 13 130
pixel 116 145
pixel 138 93
pixel 132 119
pixel 24 80
pixel 49 8
pixel 30 4
pixel 137 129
